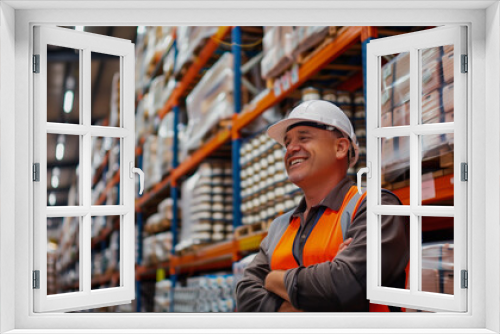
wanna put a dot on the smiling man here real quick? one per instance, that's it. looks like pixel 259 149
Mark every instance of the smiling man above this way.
pixel 314 257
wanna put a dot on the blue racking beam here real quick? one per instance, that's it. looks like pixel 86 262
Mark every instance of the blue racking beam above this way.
pixel 236 141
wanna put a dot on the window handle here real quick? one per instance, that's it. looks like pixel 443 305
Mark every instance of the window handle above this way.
pixel 133 170
pixel 366 170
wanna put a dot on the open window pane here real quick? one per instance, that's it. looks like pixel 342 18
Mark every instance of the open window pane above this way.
pixel 437 170
pixel 63 96
pixel 395 164
pixel 63 159
pixel 395 90
pixel 106 171
pixel 63 255
pixel 437 255
pixel 437 161
pixel 68 167
pixel 105 256
pixel 103 112
pixel 395 254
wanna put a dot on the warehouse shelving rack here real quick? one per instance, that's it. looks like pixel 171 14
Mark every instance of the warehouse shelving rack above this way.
pixel 221 255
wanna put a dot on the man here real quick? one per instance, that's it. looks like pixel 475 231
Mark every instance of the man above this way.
pixel 306 263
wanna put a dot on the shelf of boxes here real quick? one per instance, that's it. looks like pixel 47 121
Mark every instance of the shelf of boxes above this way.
pixel 221 254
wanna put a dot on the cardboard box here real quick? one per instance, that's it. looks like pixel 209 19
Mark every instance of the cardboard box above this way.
pixel 447 48
pixel 386 119
pixel 387 152
pixel 431 76
pixel 431 107
pixel 401 84
pixel 401 115
pixel 430 280
pixel 448 60
pixel 448 280
pixel 431 54
pixel 448 98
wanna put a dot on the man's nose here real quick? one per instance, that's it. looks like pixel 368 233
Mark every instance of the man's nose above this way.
pixel 291 148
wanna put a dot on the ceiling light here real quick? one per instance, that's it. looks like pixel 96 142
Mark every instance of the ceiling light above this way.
pixel 60 147
pixel 52 199
pixel 54 181
pixel 79 28
pixel 68 101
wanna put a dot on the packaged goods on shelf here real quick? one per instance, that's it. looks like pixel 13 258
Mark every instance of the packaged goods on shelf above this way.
pixel 436 103
pixel 207 205
pixel 140 120
pixel 151 163
pixel 157 248
pixel 310 93
pixel 163 290
pixel 165 143
pixel 189 39
pixel 210 293
pixel 277 46
pixel 210 102
pixel 266 191
pixel 307 37
pixel 158 40
pixel 156 92
pixel 161 220
pixel 437 268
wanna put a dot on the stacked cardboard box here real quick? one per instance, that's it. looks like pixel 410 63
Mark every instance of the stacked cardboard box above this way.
pixel 436 104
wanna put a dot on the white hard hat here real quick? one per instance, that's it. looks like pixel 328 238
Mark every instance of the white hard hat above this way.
pixel 319 112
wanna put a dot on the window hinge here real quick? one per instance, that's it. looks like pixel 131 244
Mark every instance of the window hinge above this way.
pixel 36 63
pixel 465 64
pixel 465 172
pixel 36 279
pixel 465 279
pixel 36 172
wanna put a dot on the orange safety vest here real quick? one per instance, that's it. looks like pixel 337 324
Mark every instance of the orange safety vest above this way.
pixel 321 245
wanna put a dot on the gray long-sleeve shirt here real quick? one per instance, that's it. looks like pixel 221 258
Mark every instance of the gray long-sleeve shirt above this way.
pixel 333 286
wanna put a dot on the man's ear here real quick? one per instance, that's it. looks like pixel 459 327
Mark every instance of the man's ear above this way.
pixel 342 148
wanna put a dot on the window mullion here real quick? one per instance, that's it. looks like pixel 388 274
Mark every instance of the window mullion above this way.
pixel 415 184
pixel 86 162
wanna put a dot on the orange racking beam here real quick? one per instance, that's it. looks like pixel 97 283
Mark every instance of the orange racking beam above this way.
pixel 195 68
pixel 444 191
pixel 333 50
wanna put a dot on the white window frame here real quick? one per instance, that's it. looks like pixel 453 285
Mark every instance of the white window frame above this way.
pixel 483 20
pixel 413 44
pixel 86 43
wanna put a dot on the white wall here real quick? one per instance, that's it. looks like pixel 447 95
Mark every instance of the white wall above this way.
pixel 7 158
pixel 492 257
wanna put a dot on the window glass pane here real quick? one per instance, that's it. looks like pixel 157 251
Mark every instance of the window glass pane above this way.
pixel 395 91
pixel 106 171
pixel 395 164
pixel 437 170
pixel 105 76
pixel 436 84
pixel 63 159
pixel 63 263
pixel 105 256
pixel 437 254
pixel 395 247
pixel 63 84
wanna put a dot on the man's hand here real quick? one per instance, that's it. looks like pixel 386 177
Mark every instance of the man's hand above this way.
pixel 275 283
pixel 287 307
pixel 344 245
